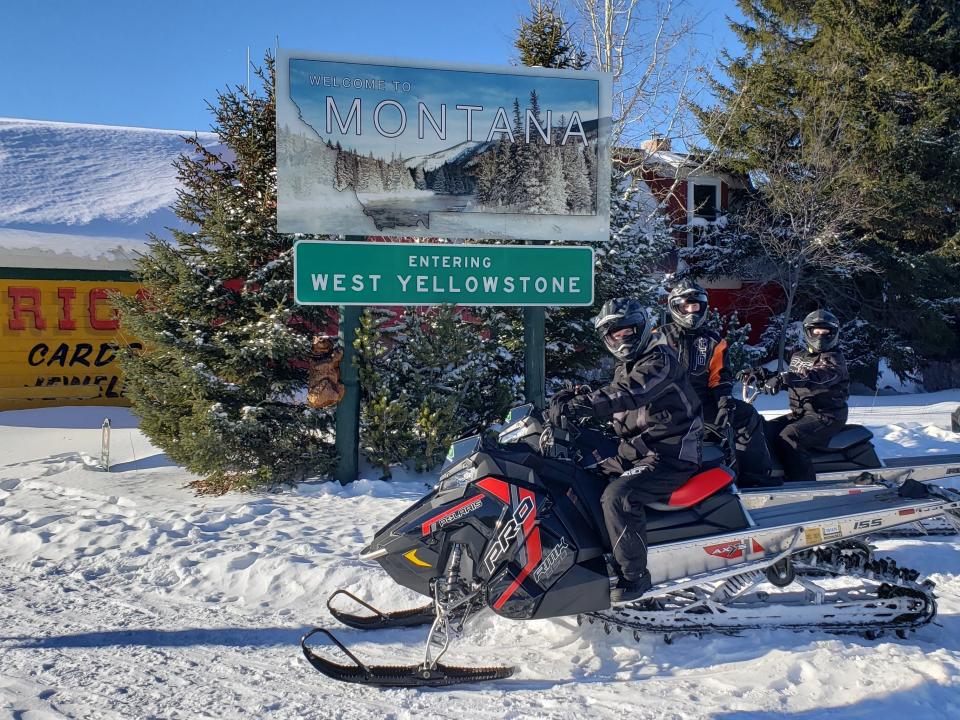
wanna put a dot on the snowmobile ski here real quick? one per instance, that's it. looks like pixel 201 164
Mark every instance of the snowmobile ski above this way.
pixel 454 603
pixel 380 619
pixel 438 675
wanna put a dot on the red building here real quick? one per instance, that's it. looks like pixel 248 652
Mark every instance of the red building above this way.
pixel 697 200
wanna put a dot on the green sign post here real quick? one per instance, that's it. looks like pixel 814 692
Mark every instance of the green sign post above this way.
pixel 342 273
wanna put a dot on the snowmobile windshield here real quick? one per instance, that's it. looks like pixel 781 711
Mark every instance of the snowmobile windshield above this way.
pixel 459 450
pixel 518 413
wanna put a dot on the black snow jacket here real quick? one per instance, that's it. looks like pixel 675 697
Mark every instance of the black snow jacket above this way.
pixel 654 409
pixel 703 355
pixel 818 383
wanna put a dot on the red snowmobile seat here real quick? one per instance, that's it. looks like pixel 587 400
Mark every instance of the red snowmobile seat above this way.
pixel 697 489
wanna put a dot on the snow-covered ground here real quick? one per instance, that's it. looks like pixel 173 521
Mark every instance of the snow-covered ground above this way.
pixel 123 595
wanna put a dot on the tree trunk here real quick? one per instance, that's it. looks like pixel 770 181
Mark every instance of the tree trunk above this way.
pixel 781 349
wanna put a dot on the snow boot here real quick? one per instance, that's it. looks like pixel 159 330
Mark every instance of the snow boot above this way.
pixel 627 590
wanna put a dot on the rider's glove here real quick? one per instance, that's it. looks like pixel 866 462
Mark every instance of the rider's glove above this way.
pixel 557 402
pixel 573 409
pixel 772 384
pixel 763 374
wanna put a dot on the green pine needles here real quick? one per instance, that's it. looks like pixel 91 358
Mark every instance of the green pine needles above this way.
pixel 428 377
pixel 221 385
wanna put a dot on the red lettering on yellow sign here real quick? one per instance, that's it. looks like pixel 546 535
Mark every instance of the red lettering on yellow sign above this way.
pixel 17 296
pixel 25 301
pixel 96 323
pixel 66 295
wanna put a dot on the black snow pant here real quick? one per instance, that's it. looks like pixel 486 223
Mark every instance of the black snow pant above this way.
pixel 754 461
pixel 791 437
pixel 653 479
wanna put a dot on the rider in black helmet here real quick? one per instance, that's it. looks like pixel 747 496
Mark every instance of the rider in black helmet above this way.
pixel 703 354
pixel 819 386
pixel 656 415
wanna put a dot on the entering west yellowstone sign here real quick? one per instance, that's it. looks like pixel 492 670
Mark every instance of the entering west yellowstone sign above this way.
pixel 381 147
pixel 328 273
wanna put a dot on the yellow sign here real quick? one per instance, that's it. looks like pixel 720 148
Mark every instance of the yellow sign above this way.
pixel 59 340
pixel 812 536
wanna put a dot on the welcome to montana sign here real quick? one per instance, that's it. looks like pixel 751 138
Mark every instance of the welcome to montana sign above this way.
pixel 381 147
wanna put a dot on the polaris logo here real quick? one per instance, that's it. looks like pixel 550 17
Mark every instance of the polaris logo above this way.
pixel 508 534
pixel 459 513
pixel 953 471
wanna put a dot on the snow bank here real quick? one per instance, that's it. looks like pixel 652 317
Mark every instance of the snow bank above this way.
pixel 66 188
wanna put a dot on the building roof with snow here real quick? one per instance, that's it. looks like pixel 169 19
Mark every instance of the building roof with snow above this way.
pixel 78 196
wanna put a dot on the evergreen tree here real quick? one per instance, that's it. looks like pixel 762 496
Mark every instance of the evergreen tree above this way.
pixel 428 377
pixel 554 188
pixel 419 179
pixel 518 163
pixel 440 180
pixel 343 169
pixel 740 354
pixel 891 71
pixel 576 179
pixel 218 386
pixel 544 39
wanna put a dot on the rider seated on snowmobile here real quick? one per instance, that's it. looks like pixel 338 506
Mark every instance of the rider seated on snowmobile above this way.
pixel 656 415
pixel 819 385
pixel 703 355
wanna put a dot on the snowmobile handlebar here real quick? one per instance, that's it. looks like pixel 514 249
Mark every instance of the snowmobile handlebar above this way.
pixel 750 390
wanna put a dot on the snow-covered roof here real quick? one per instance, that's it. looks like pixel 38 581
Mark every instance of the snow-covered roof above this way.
pixel 669 163
pixel 84 196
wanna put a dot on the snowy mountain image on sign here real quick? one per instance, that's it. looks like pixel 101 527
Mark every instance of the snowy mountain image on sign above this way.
pixel 399 145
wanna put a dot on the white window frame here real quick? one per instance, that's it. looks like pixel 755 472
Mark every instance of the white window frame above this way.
pixel 691 217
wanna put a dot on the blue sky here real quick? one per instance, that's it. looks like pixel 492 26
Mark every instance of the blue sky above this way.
pixel 156 63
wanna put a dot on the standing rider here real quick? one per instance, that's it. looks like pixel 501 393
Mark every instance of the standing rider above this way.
pixel 819 386
pixel 703 355
pixel 656 415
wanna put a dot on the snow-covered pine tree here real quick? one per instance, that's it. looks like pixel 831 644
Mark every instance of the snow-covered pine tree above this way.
pixel 486 172
pixel 504 181
pixel 518 163
pixel 219 385
pixel 634 262
pixel 740 354
pixel 439 180
pixel 428 377
pixel 419 179
pixel 554 188
pixel 369 175
pixel 344 169
pixel 576 179
pixel 536 168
